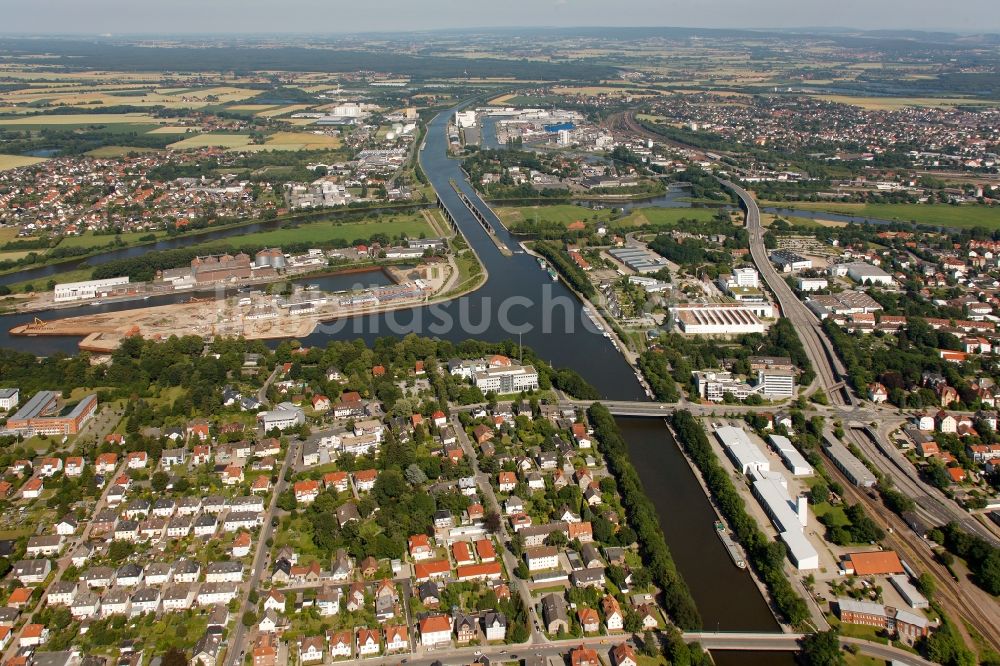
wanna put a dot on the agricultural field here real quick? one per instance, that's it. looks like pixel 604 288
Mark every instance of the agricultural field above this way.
pixel 119 151
pixel 943 215
pixel 16 161
pixel 173 129
pixel 283 110
pixel 896 103
pixel 299 141
pixel 250 107
pixel 80 119
pixel 212 139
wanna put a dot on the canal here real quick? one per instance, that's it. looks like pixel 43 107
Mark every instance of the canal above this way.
pixel 520 302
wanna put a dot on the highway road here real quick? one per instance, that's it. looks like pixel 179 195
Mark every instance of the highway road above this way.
pixel 829 370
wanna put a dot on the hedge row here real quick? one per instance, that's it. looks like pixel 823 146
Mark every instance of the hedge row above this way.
pixel 677 599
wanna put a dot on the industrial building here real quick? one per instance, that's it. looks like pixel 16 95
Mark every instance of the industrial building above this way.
pixel 874 563
pixel 862 273
pixel 843 303
pixel 639 259
pixel 465 119
pixel 790 455
pixel 214 268
pixel 846 462
pixel 76 291
pixel 744 453
pixel 271 257
pixel 789 262
pixel 790 516
pixel 909 592
pixel 716 319
pixel 44 415
pixel 899 622
pixel 811 283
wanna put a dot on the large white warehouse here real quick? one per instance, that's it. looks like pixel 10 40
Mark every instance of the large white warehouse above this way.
pixel 790 517
pixel 716 319
pixel 790 455
pixel 744 453
pixel 75 291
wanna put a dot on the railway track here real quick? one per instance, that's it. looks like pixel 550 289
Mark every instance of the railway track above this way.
pixel 960 600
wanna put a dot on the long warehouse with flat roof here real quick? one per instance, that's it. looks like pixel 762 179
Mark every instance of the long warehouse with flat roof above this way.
pixel 789 516
pixel 847 463
pixel 716 319
pixel 794 461
pixel 744 453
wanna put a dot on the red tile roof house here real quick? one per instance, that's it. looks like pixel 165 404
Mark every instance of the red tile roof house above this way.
pixel 306 492
pixel 420 547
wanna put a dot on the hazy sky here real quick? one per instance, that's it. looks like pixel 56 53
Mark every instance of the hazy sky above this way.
pixel 332 16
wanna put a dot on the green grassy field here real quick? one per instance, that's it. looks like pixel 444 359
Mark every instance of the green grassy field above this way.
pixel 836 513
pixel 943 215
pixel 567 213
pixel 561 213
pixel 664 216
pixel 318 232
pixel 90 240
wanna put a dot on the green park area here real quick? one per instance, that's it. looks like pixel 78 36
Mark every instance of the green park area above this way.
pixel 410 225
pixel 963 216
pixel 566 214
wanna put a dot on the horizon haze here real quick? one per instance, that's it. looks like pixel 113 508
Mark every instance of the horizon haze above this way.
pixel 117 17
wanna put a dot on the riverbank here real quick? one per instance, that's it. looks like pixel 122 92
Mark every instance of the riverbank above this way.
pixel 254 318
pixel 144 290
pixel 44 269
pixel 715 508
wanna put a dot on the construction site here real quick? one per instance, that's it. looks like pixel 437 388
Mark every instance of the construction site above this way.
pixel 254 316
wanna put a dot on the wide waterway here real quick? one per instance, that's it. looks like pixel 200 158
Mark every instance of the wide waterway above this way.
pixel 552 322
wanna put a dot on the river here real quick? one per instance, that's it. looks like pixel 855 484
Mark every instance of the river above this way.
pixel 546 316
